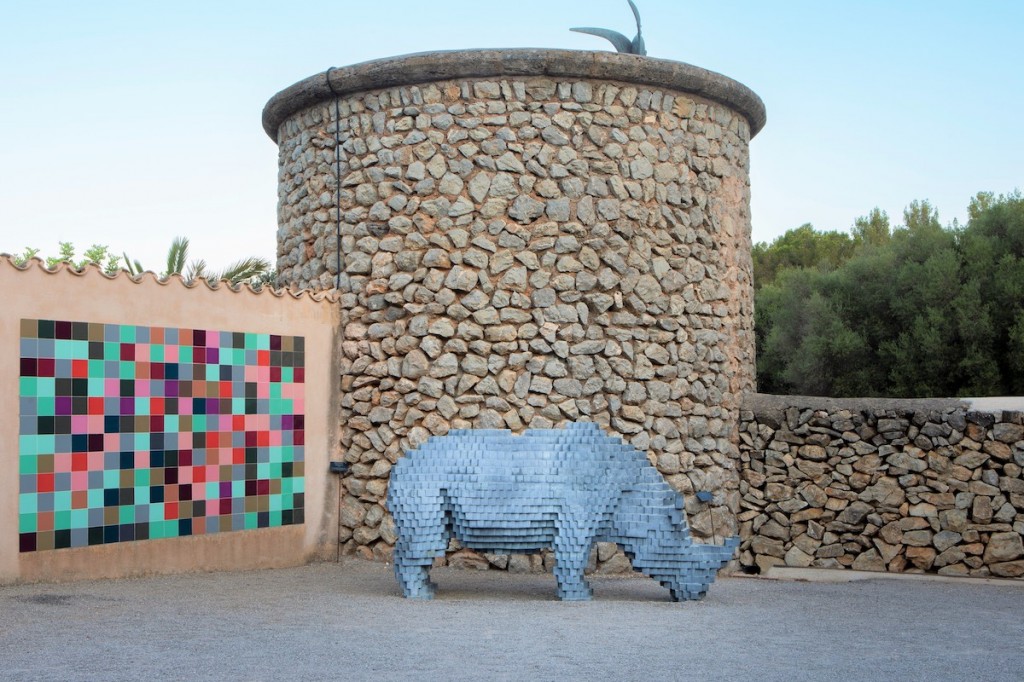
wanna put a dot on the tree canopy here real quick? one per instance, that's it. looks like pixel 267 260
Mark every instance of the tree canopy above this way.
pixel 919 310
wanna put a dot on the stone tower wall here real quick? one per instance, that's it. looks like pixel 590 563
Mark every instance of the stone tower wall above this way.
pixel 527 238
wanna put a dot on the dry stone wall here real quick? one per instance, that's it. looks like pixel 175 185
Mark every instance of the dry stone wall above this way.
pixel 521 249
pixel 881 485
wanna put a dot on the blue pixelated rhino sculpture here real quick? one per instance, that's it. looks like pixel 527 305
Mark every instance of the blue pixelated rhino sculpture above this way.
pixel 563 489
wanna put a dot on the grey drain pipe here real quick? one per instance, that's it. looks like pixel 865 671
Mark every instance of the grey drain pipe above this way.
pixel 337 177
pixel 337 468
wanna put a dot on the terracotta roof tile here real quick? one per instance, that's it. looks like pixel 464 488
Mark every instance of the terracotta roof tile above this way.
pixel 148 277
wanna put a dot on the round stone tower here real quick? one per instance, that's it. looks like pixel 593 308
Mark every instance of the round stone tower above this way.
pixel 522 238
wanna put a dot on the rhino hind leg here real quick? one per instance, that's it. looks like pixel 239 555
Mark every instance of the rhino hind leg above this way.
pixel 569 568
pixel 573 540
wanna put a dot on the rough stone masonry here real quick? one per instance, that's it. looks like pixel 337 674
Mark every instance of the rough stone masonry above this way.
pixel 527 237
pixel 882 485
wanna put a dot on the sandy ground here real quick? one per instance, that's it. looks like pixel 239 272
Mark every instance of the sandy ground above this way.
pixel 348 622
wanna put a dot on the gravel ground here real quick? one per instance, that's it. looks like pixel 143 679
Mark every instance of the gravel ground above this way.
pixel 347 621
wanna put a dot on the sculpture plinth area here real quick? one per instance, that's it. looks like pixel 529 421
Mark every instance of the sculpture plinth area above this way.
pixel 521 239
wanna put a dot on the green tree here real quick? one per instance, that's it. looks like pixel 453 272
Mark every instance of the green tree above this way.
pixel 921 348
pixel 992 253
pixel 980 203
pixel 921 216
pixel 805 346
pixel 919 310
pixel 872 229
pixel 801 247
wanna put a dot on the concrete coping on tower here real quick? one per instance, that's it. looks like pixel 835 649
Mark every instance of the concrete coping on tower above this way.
pixel 427 67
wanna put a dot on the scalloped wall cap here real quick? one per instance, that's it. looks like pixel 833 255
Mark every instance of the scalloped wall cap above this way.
pixel 149 278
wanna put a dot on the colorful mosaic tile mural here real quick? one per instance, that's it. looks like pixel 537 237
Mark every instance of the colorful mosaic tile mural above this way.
pixel 131 433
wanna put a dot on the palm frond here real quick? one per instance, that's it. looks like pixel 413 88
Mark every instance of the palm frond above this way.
pixel 198 269
pixel 177 256
pixel 246 269
pixel 133 267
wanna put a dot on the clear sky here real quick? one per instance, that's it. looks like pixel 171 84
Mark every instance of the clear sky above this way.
pixel 128 123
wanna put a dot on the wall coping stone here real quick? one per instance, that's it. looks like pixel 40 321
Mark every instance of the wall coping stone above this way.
pixel 426 67
pixel 765 404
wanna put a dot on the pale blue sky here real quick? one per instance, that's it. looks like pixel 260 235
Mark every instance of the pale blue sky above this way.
pixel 127 123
